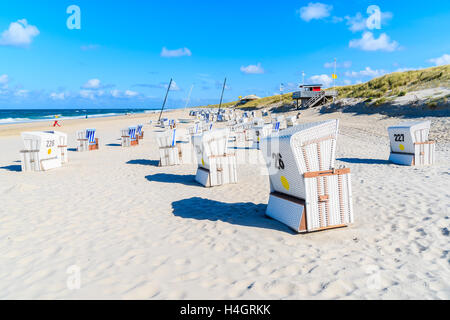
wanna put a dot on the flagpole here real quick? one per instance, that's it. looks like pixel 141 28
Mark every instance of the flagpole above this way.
pixel 334 77
pixel 165 100
pixel 221 97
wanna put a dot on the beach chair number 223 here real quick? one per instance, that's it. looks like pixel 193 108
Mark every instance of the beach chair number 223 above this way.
pixel 399 137
pixel 279 164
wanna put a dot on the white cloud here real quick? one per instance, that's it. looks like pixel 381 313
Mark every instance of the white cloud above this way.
pixel 92 84
pixel 367 72
pixel 344 64
pixel 4 79
pixel 115 93
pixel 165 53
pixel 315 10
pixel 356 23
pixel 323 79
pixel 252 69
pixel 19 34
pixel 130 93
pixel 443 60
pixel 369 43
pixel 21 93
pixel 359 23
pixel 174 86
pixel 57 96
pixel 88 94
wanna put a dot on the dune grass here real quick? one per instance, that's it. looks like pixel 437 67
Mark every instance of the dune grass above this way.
pixel 395 84
pixel 398 83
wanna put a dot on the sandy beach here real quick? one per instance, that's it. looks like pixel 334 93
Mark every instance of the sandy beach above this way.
pixel 138 231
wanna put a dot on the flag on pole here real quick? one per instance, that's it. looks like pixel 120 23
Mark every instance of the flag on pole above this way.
pixel 334 76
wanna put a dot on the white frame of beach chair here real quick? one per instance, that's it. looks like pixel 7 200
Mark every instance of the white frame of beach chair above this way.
pixel 62 145
pixel 216 166
pixel 410 145
pixel 168 149
pixel 307 193
pixel 41 152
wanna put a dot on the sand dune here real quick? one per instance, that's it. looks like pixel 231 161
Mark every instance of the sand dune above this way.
pixel 138 231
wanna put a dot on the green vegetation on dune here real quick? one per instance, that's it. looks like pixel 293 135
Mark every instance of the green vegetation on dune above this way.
pixel 395 84
pixel 398 83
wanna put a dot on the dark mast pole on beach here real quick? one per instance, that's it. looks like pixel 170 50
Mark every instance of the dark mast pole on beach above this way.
pixel 165 99
pixel 221 97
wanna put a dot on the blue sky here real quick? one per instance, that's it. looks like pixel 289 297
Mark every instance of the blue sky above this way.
pixel 126 51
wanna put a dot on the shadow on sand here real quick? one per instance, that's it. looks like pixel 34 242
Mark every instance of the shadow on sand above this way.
pixel 188 180
pixel 242 214
pixel 113 145
pixel 14 168
pixel 144 162
pixel 364 161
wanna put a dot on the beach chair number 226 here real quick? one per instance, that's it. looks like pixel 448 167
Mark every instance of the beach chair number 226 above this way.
pixel 279 164
pixel 50 143
pixel 399 137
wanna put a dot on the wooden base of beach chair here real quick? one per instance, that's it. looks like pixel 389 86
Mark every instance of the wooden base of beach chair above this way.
pixel 424 155
pixel 292 212
pixel 134 143
pixel 222 171
pixel 94 146
pixel 141 136
pixel 30 161
pixel 328 205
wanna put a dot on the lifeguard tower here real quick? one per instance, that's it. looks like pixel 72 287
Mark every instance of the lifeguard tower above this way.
pixel 311 95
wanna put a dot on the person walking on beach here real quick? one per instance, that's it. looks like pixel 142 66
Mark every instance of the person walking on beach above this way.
pixel 56 123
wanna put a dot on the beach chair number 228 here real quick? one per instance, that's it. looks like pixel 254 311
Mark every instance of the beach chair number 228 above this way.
pixel 279 164
pixel 399 137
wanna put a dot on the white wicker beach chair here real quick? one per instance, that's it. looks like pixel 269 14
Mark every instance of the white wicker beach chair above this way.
pixel 307 193
pixel 260 133
pixel 86 140
pixel 41 151
pixel 129 137
pixel 62 145
pixel 410 145
pixel 140 131
pixel 291 121
pixel 215 165
pixel 168 150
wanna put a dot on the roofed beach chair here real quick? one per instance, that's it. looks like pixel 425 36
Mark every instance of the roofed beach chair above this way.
pixel 140 131
pixel 291 121
pixel 307 192
pixel 41 151
pixel 86 140
pixel 410 145
pixel 168 150
pixel 129 137
pixel 276 126
pixel 260 133
pixel 62 145
pixel 215 165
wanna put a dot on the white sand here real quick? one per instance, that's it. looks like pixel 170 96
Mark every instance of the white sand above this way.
pixel 139 231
